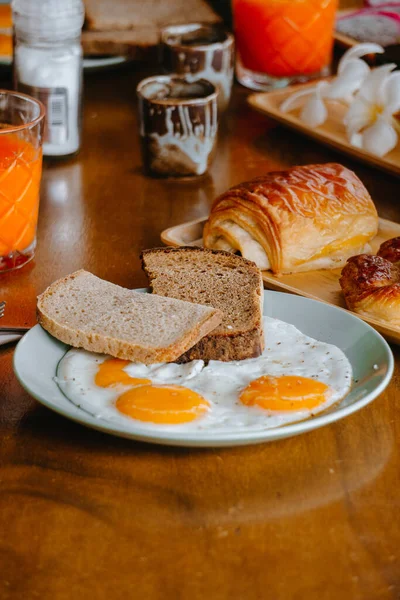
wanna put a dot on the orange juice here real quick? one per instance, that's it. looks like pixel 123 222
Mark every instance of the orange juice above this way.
pixel 284 38
pixel 6 42
pixel 6 46
pixel 20 173
pixel 5 17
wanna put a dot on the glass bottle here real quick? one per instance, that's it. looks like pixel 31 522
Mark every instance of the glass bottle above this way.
pixel 48 66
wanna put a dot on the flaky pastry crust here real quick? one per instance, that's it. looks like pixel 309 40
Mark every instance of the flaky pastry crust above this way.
pixel 305 218
pixel 371 284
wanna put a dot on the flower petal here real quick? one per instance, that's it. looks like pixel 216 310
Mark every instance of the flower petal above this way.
pixel 322 89
pixel 380 138
pixel 350 79
pixel 357 52
pixel 314 111
pixel 356 140
pixel 297 99
pixel 372 87
pixel 391 93
pixel 358 116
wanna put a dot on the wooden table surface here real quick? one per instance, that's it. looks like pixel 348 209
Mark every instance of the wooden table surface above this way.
pixel 86 515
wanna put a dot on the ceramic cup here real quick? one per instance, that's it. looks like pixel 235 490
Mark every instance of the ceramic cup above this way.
pixel 178 125
pixel 201 51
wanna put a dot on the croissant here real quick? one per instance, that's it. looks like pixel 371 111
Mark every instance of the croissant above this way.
pixel 305 218
pixel 371 284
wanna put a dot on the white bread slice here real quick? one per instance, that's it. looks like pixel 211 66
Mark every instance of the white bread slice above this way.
pixel 86 312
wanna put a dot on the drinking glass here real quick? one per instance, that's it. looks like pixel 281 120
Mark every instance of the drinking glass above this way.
pixel 178 125
pixel 21 129
pixel 282 41
pixel 201 51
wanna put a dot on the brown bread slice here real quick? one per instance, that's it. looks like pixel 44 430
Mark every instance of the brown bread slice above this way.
pixel 86 312
pixel 103 15
pixel 219 279
pixel 137 44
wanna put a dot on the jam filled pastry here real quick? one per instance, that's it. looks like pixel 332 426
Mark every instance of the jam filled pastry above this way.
pixel 305 218
pixel 371 284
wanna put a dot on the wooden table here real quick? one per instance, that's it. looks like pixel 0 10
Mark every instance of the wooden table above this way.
pixel 85 515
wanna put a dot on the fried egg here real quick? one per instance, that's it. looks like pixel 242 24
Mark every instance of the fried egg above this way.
pixel 294 379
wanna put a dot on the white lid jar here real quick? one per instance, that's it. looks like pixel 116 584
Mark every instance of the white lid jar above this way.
pixel 48 66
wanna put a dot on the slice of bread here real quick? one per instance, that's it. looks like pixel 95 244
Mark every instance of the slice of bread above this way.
pixel 101 15
pixel 137 44
pixel 86 312
pixel 220 279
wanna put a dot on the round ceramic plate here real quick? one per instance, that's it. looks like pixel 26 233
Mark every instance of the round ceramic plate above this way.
pixel 37 356
pixel 94 63
pixel 90 63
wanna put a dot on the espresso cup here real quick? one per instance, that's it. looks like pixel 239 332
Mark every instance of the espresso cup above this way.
pixel 201 51
pixel 178 125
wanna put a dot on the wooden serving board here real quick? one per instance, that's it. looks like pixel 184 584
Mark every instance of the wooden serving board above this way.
pixel 332 133
pixel 322 285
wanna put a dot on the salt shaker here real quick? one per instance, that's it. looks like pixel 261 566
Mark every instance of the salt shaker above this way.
pixel 48 66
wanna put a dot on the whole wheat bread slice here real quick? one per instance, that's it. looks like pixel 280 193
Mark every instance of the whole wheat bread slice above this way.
pixel 219 279
pixel 101 15
pixel 137 44
pixel 84 311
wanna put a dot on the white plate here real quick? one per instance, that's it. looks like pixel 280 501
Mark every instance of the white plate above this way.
pixel 38 354
pixel 90 63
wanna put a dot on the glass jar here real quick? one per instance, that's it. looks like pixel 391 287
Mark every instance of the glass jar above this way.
pixel 48 66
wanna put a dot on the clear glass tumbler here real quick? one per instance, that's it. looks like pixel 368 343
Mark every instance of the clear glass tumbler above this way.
pixel 282 41
pixel 21 131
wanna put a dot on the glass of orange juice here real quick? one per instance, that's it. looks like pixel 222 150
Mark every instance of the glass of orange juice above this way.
pixel 21 131
pixel 282 41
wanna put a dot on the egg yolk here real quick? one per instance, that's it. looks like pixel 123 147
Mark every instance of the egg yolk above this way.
pixel 285 393
pixel 167 404
pixel 111 372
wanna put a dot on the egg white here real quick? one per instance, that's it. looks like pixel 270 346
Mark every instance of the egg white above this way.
pixel 287 352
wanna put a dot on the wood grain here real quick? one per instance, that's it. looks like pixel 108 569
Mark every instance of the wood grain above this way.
pixel 320 285
pixel 88 516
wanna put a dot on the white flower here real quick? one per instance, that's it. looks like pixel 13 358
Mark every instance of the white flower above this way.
pixel 369 120
pixel 314 111
pixel 373 96
pixel 351 73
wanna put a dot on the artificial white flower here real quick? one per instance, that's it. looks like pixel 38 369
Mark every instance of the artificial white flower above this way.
pixel 314 111
pixel 369 120
pixel 351 73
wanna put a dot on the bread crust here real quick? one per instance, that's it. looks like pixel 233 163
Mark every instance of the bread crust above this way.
pixel 227 347
pixel 301 219
pixel 131 14
pixel 220 345
pixel 138 45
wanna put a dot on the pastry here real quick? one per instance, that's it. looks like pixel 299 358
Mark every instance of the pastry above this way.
pixel 305 218
pixel 371 284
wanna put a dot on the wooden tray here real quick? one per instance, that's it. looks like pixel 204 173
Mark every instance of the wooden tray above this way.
pixel 332 133
pixel 319 285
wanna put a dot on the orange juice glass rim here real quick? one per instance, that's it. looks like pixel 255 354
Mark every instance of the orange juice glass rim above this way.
pixel 35 121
